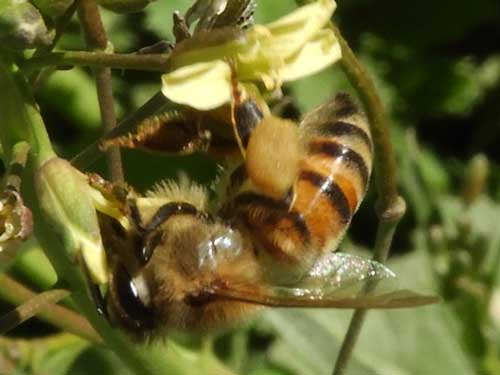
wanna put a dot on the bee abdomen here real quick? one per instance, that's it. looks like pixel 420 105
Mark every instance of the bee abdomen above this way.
pixel 330 184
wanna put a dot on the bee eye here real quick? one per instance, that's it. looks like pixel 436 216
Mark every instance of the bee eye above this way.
pixel 129 298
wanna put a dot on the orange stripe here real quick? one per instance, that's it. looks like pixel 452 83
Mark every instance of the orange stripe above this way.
pixel 321 217
pixel 348 189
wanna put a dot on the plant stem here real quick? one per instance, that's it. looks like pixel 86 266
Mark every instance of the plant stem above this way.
pixel 388 221
pixel 17 294
pixel 21 120
pixel 131 61
pixel 390 206
pixel 96 38
pixel 85 158
pixel 62 216
pixel 385 163
pixel 61 24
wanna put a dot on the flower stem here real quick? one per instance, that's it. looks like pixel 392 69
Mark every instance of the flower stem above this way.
pixel 21 120
pixel 96 38
pixel 388 221
pixel 131 61
pixel 385 163
pixel 390 206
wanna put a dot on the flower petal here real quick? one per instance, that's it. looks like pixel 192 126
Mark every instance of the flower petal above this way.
pixel 321 51
pixel 292 31
pixel 202 86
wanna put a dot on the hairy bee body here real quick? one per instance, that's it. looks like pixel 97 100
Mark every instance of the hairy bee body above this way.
pixel 330 168
pixel 190 253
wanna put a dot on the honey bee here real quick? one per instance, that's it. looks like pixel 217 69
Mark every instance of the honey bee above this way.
pixel 178 263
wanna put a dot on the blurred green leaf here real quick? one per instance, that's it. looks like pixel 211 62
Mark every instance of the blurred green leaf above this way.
pixel 59 355
pixel 409 341
pixel 97 360
pixel 77 107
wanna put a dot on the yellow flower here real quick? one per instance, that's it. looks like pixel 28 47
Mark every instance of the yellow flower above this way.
pixel 289 48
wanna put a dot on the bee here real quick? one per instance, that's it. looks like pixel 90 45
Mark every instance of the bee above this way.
pixel 302 184
pixel 178 263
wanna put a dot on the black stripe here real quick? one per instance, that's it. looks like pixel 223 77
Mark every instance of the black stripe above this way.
pixel 261 200
pixel 277 210
pixel 345 105
pixel 336 150
pixel 247 116
pixel 334 193
pixel 237 178
pixel 340 128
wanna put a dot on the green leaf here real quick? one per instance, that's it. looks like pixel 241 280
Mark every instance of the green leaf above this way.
pixel 58 356
pixel 410 341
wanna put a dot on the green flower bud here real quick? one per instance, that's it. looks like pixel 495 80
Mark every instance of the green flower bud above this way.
pixel 67 207
pixel 22 26
pixel 124 6
pixel 52 8
pixel 476 177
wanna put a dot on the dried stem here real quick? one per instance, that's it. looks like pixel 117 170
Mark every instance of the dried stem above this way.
pixel 17 163
pixel 17 294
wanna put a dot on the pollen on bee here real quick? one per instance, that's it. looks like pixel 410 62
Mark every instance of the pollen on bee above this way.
pixel 273 155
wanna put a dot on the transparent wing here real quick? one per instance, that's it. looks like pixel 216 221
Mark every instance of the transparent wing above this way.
pixel 337 280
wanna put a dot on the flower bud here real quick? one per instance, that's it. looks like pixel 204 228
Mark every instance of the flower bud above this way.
pixel 476 176
pixel 22 26
pixel 124 6
pixel 67 207
pixel 52 8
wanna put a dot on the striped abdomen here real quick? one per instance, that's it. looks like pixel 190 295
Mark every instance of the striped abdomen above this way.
pixel 331 181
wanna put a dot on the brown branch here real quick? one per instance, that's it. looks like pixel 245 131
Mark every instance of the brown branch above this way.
pixel 123 61
pixel 96 38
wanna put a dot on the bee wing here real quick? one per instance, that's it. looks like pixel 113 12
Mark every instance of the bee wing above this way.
pixel 337 280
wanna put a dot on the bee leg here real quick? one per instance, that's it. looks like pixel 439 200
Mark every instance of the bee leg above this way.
pixel 135 216
pixel 270 145
pixel 245 114
pixel 169 132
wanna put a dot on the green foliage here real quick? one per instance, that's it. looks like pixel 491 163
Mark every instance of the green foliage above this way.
pixel 437 68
